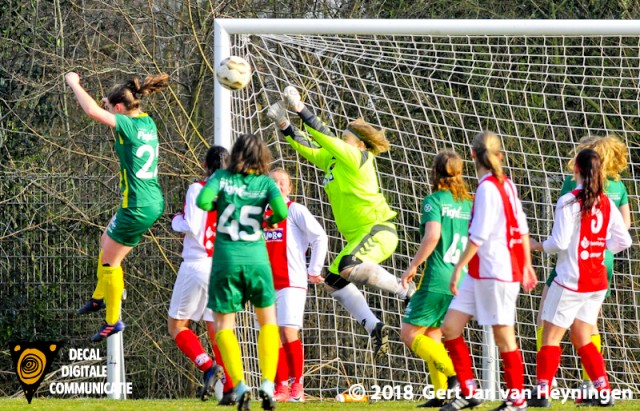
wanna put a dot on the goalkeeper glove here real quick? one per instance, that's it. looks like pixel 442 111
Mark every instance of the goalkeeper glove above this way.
pixel 292 99
pixel 277 113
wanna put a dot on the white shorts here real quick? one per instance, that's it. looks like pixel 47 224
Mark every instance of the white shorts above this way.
pixel 191 291
pixel 563 306
pixel 491 302
pixel 290 303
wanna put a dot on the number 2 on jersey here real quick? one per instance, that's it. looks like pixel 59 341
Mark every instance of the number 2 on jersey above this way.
pixel 452 256
pixel 232 227
pixel 145 173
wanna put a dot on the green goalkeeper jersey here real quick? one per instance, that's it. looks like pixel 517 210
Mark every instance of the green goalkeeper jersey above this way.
pixel 454 218
pixel 351 180
pixel 137 150
pixel 615 190
pixel 240 201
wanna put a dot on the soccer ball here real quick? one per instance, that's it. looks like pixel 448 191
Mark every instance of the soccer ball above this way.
pixel 234 73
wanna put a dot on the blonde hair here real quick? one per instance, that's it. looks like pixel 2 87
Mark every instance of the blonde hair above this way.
pixel 446 174
pixel 373 138
pixel 487 147
pixel 612 151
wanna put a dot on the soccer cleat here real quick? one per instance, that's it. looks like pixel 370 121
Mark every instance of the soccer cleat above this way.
pixel 228 398
pixel 266 394
pixel 537 400
pixel 600 400
pixel 243 396
pixel 380 339
pixel 461 403
pixel 297 392
pixel 509 406
pixel 282 393
pixel 92 306
pixel 586 393
pixel 453 387
pixel 108 329
pixel 433 403
pixel 209 378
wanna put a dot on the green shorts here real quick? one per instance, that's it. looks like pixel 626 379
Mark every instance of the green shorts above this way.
pixel 129 224
pixel 375 244
pixel 232 285
pixel 427 309
pixel 608 262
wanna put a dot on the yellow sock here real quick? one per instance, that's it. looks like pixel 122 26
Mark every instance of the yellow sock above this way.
pixel 230 350
pixel 98 293
pixel 113 280
pixel 429 350
pixel 438 379
pixel 268 348
pixel 597 341
pixel 539 338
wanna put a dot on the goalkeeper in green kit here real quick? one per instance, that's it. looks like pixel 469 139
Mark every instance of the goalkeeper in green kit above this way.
pixel 361 212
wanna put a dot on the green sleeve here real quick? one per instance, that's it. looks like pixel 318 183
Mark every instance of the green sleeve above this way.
pixel 124 126
pixel 430 212
pixel 568 185
pixel 277 204
pixel 207 197
pixel 307 148
pixel 624 196
pixel 350 156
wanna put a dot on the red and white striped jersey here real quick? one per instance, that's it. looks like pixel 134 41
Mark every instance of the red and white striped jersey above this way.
pixel 288 244
pixel 580 243
pixel 198 225
pixel 488 230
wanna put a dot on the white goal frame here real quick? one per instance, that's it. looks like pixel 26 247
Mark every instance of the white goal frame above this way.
pixel 224 28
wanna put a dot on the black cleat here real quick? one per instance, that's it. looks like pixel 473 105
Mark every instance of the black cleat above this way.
pixel 433 403
pixel 461 403
pixel 209 378
pixel 380 340
pixel 228 398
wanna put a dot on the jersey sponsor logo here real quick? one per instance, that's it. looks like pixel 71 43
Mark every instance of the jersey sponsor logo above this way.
pixel 274 235
pixel 453 212
pixel 147 135
pixel 241 191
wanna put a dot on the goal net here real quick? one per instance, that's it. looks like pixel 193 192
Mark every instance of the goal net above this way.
pixel 433 86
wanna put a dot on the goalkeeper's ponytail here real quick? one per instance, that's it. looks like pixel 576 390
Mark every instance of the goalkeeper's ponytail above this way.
pixel 487 147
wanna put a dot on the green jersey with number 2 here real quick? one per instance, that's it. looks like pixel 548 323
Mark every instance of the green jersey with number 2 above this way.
pixel 240 204
pixel 137 150
pixel 454 218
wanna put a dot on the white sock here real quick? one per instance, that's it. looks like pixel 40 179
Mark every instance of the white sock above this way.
pixel 353 301
pixel 377 277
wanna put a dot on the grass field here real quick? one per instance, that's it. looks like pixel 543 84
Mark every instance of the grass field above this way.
pixel 50 404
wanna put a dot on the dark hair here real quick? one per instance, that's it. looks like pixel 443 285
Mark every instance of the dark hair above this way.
pixel 216 158
pixel 588 165
pixel 249 155
pixel 130 92
pixel 446 174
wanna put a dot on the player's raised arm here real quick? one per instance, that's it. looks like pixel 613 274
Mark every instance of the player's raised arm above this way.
pixel 88 104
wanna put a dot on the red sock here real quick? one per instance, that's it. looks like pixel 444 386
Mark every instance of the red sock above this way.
pixel 459 353
pixel 514 375
pixel 189 343
pixel 282 373
pixel 547 363
pixel 295 358
pixel 594 365
pixel 228 384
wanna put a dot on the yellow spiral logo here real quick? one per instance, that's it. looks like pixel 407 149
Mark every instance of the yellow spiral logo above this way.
pixel 31 365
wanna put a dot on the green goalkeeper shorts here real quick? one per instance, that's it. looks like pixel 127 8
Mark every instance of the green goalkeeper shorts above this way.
pixel 374 244
pixel 129 224
pixel 427 309
pixel 232 285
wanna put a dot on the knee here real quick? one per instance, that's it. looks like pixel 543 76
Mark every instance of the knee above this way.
pixel 407 335
pixel 450 331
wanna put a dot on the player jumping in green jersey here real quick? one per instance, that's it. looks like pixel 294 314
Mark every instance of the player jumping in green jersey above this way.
pixel 142 202
pixel 361 212
pixel 241 270
pixel 444 229
pixel 614 155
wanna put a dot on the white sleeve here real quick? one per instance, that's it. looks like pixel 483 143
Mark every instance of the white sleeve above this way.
pixel 315 236
pixel 563 226
pixel 194 217
pixel 618 236
pixel 487 200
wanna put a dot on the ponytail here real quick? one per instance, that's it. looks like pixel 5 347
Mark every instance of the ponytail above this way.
pixel 487 147
pixel 588 165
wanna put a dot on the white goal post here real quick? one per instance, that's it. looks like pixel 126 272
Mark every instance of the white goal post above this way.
pixel 541 85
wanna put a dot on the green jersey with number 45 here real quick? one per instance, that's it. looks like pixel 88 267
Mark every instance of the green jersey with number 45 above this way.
pixel 454 218
pixel 240 201
pixel 137 150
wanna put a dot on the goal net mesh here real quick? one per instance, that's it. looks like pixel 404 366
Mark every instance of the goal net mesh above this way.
pixel 539 94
